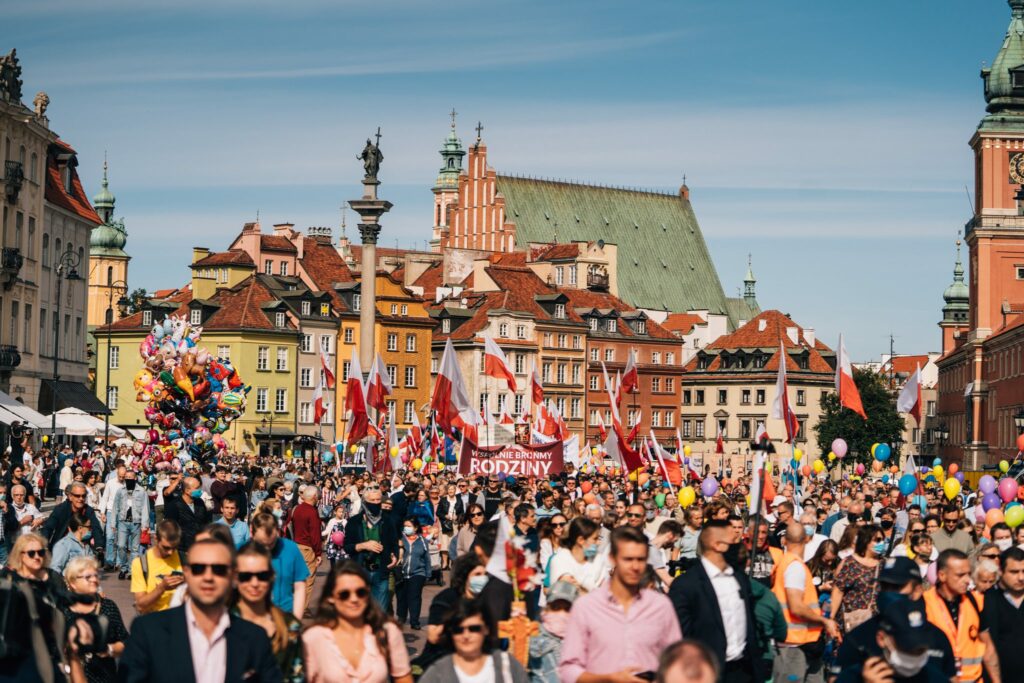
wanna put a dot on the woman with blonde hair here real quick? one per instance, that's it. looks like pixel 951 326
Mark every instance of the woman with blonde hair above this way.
pixel 30 559
pixel 82 575
pixel 252 601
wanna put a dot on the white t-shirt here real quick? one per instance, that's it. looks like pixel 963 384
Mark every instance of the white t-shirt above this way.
pixel 795 578
pixel 29 510
pixel 485 675
pixel 589 575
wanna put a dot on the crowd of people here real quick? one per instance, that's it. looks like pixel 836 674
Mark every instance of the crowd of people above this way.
pixel 833 579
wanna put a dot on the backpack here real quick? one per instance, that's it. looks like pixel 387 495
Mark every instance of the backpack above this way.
pixel 144 561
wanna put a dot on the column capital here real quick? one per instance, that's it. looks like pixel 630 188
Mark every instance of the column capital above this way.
pixel 369 232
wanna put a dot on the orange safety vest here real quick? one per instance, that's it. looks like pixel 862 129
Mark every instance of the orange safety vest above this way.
pixel 964 637
pixel 799 632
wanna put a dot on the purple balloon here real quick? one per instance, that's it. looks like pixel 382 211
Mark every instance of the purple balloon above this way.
pixel 959 476
pixel 987 484
pixel 709 486
pixel 991 501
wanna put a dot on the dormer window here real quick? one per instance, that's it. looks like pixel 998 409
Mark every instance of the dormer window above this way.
pixel 503 330
pixel 613 325
pixel 67 178
pixel 641 327
pixel 560 311
pixel 593 324
pixel 1017 78
pixel 279 319
pixel 306 306
pixel 703 362
pixel 357 300
pixel 446 326
pixel 195 317
pixel 284 268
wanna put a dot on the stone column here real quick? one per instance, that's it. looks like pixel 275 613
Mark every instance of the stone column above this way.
pixel 370 209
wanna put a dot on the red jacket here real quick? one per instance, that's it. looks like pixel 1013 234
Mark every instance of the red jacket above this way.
pixel 306 527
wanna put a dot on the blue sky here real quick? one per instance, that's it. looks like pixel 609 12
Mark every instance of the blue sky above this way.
pixel 828 139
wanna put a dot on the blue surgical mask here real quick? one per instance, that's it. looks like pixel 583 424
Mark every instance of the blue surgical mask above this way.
pixel 880 547
pixel 409 531
pixel 197 494
pixel 86 536
pixel 590 552
pixel 278 513
pixel 809 530
pixel 477 583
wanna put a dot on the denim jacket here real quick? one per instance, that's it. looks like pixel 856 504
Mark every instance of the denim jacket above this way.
pixel 139 502
pixel 415 558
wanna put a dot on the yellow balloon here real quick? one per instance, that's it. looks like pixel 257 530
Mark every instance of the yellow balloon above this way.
pixel 937 470
pixel 831 456
pixel 768 467
pixel 687 450
pixel 353 448
pixel 416 464
pixel 687 496
pixel 1004 466
pixel 952 488
pixel 46 439
pixel 440 466
pixel 798 455
pixel 632 475
pixel 394 451
pixel 593 450
pixel 288 452
pixel 819 466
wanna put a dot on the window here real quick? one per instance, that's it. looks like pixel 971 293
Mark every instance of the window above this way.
pixel 560 374
pixel 46 250
pixel 559 276
pixel 560 311
pixel 357 301
pixel 915 435
pixel 699 397
pixel 446 326
pixel 306 307
pixel 545 372
pixel 306 344
pixel 261 400
pixel 801 397
pixel 349 334
pixel 280 400
pixel 519 360
pixel 760 361
pixel 503 330
pixel 641 327
pixel 804 362
pixel 698 429
pixel 655 384
pixel 394 309
pixel 27 341
pixel 687 397
pixel 279 319
pixel 631 418
pixel 560 404
pixel 574 406
pixel 405 310
pixel 410 375
pixel 547 339
pixel 745 432
pixel 801 432
pixel 670 358
pixel 393 375
pixel 609 355
pixel 670 418
pixel 723 396
pixel 305 377
pixel 670 384
pixel 592 420
pixel 575 373
pixel 325 310
pixel 561 340
pixel 520 331
pixel 612 325
pixel 572 275
pixel 112 397
pixel 518 404
pixel 745 397
pixel 345 367
pixel 656 418
pixel 147 318
pixel 687 429
pixel 409 412
pixel 759 397
pixel 593 324
pixel 577 341
pixel 268 267
pixel 655 358
pixel 594 354
pixel 593 383
pixel 433 364
pixel 115 357
pixel 195 317
pixel 263 358
pixel 32 237
pixel 931 409
pixel 282 358
pixel 484 396
pixel 392 341
pixel 305 412
pixel 410 343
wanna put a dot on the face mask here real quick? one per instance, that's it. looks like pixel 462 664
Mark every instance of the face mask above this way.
pixel 809 530
pixel 590 552
pixel 278 514
pixel 886 524
pixel 130 484
pixel 197 494
pixel 650 515
pixel 408 531
pixel 3 497
pixel 477 583
pixel 879 548
pixel 372 508
pixel 852 517
pixel 906 665
pixel 1004 544
pixel 556 623
pixel 86 536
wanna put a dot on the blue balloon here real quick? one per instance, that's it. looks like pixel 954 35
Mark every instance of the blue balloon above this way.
pixel 793 464
pixel 882 452
pixel 936 462
pixel 885 478
pixel 340 447
pixel 328 456
pixel 907 484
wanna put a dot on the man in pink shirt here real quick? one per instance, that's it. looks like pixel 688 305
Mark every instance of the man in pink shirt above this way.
pixel 618 630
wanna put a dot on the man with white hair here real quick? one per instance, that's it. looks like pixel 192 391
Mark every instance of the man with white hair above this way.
pixel 28 515
pixel 305 526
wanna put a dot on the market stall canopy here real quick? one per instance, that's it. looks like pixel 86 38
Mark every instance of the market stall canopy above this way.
pixel 11 410
pixel 57 395
pixel 79 423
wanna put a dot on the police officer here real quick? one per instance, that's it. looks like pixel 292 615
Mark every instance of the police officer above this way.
pixel 904 641
pixel 864 651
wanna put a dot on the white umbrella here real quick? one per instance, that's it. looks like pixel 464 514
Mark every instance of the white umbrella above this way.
pixel 80 423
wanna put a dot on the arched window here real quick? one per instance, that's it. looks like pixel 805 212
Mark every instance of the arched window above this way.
pixel 21 156
pixel 57 251
pixel 81 255
pixel 110 275
pixel 34 169
pixel 46 250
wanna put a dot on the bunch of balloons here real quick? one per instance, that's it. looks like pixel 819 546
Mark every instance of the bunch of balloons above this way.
pixel 191 396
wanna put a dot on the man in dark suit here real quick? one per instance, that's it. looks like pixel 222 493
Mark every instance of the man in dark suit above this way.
pixel 199 642
pixel 714 606
pixel 56 525
pixel 184 504
pixel 371 539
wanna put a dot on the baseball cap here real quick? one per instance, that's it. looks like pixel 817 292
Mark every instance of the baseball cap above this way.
pixel 899 571
pixel 906 623
pixel 563 590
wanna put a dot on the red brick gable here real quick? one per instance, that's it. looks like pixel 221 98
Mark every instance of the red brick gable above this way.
pixel 555 252
pixel 74 201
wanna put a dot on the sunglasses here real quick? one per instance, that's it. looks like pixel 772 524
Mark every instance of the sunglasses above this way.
pixel 35 553
pixel 634 515
pixel 476 514
pixel 199 569
pixel 991 556
pixel 262 577
pixel 76 495
pixel 472 628
pixel 557 525
pixel 346 595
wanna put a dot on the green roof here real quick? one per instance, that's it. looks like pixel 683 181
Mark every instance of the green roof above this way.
pixel 663 261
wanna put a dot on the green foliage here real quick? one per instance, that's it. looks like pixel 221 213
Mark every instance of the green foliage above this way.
pixel 884 424
pixel 136 299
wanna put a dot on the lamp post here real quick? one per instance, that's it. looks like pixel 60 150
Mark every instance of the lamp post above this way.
pixel 67 266
pixel 270 432
pixel 942 433
pixel 122 306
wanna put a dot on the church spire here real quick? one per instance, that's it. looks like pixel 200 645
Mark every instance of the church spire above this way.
pixel 957 295
pixel 749 294
pixel 1004 81
pixel 104 200
pixel 451 159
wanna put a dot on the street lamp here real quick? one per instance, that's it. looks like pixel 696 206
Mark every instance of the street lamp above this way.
pixel 67 266
pixel 122 307
pixel 270 433
pixel 942 433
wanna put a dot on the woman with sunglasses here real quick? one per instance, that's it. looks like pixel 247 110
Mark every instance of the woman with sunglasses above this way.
pixel 468 527
pixel 579 561
pixel 27 565
pixel 351 639
pixel 252 601
pixel 83 582
pixel 469 576
pixel 551 531
pixel 475 657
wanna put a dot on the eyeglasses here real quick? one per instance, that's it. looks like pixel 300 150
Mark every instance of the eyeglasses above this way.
pixel 76 495
pixel 950 521
pixel 346 595
pixel 557 525
pixel 262 577
pixel 472 628
pixel 476 514
pixel 199 569
pixel 991 556
pixel 36 553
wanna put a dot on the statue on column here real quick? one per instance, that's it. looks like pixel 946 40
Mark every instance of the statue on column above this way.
pixel 10 77
pixel 371 158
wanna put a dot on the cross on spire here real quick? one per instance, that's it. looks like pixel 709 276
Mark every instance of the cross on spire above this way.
pixel 378 137
pixel 479 131
pixel 453 114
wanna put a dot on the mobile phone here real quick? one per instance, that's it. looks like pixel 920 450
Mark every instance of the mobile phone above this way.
pixel 646 675
pixel 178 573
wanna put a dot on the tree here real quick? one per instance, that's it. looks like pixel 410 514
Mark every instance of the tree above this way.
pixel 884 424
pixel 136 299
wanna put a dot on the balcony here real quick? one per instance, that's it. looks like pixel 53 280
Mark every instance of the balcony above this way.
pixel 597 280
pixel 14 177
pixel 10 358
pixel 10 265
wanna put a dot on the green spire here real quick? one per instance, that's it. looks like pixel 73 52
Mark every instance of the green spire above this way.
pixel 103 201
pixel 451 158
pixel 1004 81
pixel 110 237
pixel 749 294
pixel 957 295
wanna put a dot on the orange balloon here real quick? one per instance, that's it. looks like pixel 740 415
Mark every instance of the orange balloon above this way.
pixel 589 498
pixel 1020 442
pixel 876 466
pixel 805 470
pixel 953 469
pixel 993 516
pixel 586 486
pixel 894 469
pixel 643 478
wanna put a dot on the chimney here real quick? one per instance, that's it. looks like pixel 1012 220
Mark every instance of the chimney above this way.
pixel 793 334
pixel 809 336
pixel 684 191
pixel 762 325
pixel 321 234
pixel 283 229
pixel 251 228
pixel 199 253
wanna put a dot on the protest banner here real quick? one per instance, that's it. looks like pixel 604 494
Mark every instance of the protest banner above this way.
pixel 514 460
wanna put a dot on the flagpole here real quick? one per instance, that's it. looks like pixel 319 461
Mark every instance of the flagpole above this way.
pixel 757 514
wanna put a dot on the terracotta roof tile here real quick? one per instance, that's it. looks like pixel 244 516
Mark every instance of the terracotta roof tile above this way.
pixel 682 323
pixel 905 365
pixel 74 201
pixel 430 279
pixel 277 243
pixel 555 252
pixel 585 298
pixel 325 267
pixel 224 258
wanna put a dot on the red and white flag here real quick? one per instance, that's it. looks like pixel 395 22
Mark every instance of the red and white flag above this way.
pixel 325 364
pixel 450 399
pixel 355 401
pixel 761 434
pixel 600 427
pixel 496 365
pixel 909 400
pixel 503 415
pixel 780 407
pixel 849 396
pixel 378 386
pixel 613 399
pixel 720 443
pixel 319 410
pixel 630 377
pixel 669 467
pixel 536 389
pixel 762 490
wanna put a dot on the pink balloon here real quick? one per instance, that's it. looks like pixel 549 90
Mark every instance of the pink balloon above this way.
pixel 1007 489
pixel 839 447
pixel 860 467
pixel 979 514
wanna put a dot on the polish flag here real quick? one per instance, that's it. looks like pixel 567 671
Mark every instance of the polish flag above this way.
pixel 355 402
pixel 636 428
pixel 762 490
pixel 613 399
pixel 536 388
pixel 669 466
pixel 600 427
pixel 720 444
pixel 318 401
pixel 681 457
pixel 621 452
pixel 909 400
pixel 450 399
pixel 378 386
pixel 780 407
pixel 618 388
pixel 503 415
pixel 630 377
pixel 761 434
pixel 396 459
pixel 849 397
pixel 496 365
pixel 325 364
